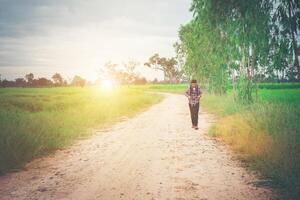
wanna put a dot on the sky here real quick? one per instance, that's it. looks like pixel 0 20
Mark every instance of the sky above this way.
pixel 79 36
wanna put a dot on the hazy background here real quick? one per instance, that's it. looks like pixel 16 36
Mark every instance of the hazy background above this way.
pixel 79 36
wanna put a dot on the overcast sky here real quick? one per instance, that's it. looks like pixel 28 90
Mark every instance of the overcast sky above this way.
pixel 79 36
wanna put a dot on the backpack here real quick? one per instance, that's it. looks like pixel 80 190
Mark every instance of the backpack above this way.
pixel 197 90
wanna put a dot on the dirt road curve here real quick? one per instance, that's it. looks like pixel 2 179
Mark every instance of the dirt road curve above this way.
pixel 155 155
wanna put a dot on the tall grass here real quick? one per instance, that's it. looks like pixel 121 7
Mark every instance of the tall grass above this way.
pixel 37 121
pixel 265 133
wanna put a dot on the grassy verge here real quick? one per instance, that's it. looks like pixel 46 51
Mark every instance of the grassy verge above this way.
pixel 266 134
pixel 36 121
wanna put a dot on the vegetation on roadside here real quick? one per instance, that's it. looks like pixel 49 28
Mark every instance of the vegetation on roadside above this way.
pixel 241 43
pixel 35 121
pixel 231 48
pixel 266 133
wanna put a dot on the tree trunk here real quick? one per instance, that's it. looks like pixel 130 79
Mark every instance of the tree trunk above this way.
pixel 296 55
pixel 293 30
pixel 249 76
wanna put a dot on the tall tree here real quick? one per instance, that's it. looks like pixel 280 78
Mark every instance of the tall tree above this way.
pixel 44 82
pixel 131 66
pixel 58 79
pixel 227 38
pixel 287 16
pixel 29 77
pixel 172 73
pixel 20 82
pixel 181 60
pixel 108 71
pixel 78 81
pixel 130 74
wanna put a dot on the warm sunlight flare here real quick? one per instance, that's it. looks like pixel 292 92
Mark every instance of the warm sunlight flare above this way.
pixel 107 85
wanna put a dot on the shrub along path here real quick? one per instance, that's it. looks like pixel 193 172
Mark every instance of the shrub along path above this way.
pixel 155 155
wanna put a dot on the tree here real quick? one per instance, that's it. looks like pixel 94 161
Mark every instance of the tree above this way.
pixel 6 83
pixel 204 55
pixel 78 81
pixel 131 66
pixel 57 79
pixel 227 40
pixel 111 72
pixel 172 73
pixel 20 82
pixel 140 81
pixel 29 77
pixel 181 60
pixel 155 81
pixel 108 71
pixel 44 82
pixel 110 68
pixel 130 74
pixel 287 21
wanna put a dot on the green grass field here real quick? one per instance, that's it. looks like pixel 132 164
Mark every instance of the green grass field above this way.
pixel 266 134
pixel 37 121
pixel 171 88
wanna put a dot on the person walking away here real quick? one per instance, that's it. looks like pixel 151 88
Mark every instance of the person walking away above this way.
pixel 194 94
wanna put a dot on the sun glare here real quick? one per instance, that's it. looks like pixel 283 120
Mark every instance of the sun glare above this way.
pixel 107 85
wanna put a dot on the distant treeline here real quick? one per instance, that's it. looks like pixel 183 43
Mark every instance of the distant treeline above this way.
pixel 30 81
pixel 57 80
pixel 124 74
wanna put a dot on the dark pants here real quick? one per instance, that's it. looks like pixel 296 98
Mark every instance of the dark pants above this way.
pixel 194 109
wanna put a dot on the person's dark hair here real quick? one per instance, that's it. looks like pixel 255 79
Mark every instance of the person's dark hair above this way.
pixel 194 81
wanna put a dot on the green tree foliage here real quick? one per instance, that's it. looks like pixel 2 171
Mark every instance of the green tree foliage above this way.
pixel 287 25
pixel 204 60
pixel 242 41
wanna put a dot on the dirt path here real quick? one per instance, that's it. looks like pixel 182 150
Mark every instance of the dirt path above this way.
pixel 155 155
